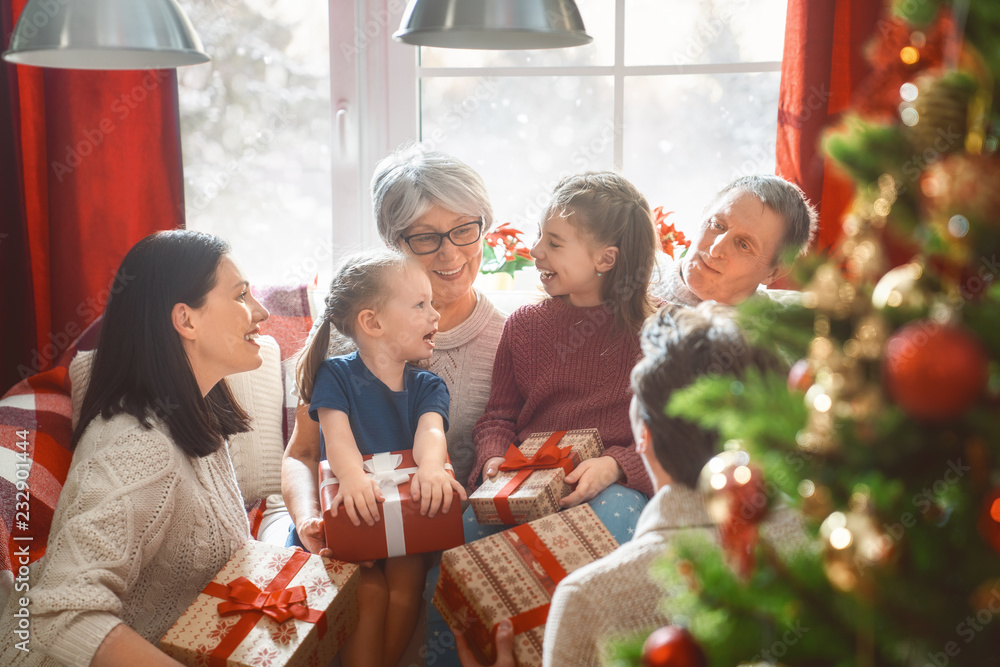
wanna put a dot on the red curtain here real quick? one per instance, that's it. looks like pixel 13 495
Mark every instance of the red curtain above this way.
pixel 90 163
pixel 822 67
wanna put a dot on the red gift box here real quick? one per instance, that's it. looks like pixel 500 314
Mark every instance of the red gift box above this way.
pixel 401 529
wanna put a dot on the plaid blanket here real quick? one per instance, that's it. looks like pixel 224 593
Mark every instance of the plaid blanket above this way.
pixel 35 434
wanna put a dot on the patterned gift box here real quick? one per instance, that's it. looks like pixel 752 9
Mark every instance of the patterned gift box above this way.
pixel 401 529
pixel 268 606
pixel 532 478
pixel 513 575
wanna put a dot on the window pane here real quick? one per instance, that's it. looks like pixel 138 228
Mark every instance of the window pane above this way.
pixel 522 134
pixel 687 32
pixel 598 19
pixel 255 126
pixel 687 136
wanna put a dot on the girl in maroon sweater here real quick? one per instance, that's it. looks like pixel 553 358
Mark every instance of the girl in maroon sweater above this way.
pixel 565 363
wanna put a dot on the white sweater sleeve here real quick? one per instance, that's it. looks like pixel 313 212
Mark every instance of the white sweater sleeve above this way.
pixel 113 513
pixel 568 639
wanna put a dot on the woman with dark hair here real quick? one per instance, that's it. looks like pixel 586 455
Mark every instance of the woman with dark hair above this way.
pixel 150 510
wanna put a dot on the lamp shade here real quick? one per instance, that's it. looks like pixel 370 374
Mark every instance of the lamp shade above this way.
pixel 104 34
pixel 493 24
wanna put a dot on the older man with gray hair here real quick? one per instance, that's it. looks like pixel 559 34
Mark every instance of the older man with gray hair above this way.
pixel 751 232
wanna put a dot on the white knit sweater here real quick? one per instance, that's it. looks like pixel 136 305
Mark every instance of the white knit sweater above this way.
pixel 139 530
pixel 257 453
pixel 617 596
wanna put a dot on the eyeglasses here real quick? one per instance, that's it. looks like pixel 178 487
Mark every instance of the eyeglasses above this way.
pixel 428 242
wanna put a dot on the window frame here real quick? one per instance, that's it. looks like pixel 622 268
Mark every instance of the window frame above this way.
pixel 383 87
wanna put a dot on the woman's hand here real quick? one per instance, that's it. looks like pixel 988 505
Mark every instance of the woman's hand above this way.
pixel 591 477
pixel 312 534
pixel 360 495
pixel 492 467
pixel 432 486
pixel 505 648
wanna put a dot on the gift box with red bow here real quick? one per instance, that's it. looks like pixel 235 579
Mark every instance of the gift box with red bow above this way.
pixel 513 575
pixel 269 605
pixel 400 529
pixel 531 481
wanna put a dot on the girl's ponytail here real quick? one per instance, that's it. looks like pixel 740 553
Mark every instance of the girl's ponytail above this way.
pixel 626 287
pixel 310 359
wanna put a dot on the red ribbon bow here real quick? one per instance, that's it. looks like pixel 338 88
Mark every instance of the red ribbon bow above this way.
pixel 280 605
pixel 548 456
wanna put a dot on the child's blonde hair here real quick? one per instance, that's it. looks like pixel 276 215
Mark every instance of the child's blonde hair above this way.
pixel 362 281
pixel 611 211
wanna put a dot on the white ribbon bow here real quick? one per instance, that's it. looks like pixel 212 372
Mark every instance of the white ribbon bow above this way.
pixel 382 469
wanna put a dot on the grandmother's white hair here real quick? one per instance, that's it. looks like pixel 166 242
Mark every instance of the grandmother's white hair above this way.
pixel 411 180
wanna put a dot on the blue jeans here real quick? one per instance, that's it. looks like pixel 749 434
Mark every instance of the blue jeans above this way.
pixel 293 538
pixel 617 507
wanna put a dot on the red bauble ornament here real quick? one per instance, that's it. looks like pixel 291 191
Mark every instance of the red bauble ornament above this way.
pixel 800 376
pixel 989 519
pixel 671 646
pixel 736 498
pixel 932 371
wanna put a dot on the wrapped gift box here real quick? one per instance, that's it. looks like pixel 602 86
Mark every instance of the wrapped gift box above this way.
pixel 532 478
pixel 513 575
pixel 269 605
pixel 400 529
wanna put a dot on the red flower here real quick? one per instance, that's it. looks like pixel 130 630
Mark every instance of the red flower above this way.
pixel 507 250
pixel 505 236
pixel 670 238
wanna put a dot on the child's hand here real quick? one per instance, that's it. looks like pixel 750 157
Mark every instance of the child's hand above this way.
pixel 360 495
pixel 492 467
pixel 433 489
pixel 312 535
pixel 591 477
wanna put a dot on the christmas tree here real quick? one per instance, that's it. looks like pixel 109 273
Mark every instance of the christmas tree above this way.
pixel 885 436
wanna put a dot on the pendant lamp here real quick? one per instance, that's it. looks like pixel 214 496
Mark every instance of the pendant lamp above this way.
pixel 493 24
pixel 105 34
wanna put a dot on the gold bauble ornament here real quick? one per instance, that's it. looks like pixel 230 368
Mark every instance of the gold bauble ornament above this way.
pixel 853 543
pixel 817 501
pixel 823 292
pixel 937 121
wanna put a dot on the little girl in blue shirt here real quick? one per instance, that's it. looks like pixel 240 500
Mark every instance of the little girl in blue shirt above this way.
pixel 373 401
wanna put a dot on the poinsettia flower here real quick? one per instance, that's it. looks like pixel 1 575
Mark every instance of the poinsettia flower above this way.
pixel 504 251
pixel 669 236
pixel 503 235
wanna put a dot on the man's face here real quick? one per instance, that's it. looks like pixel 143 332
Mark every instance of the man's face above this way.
pixel 736 250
